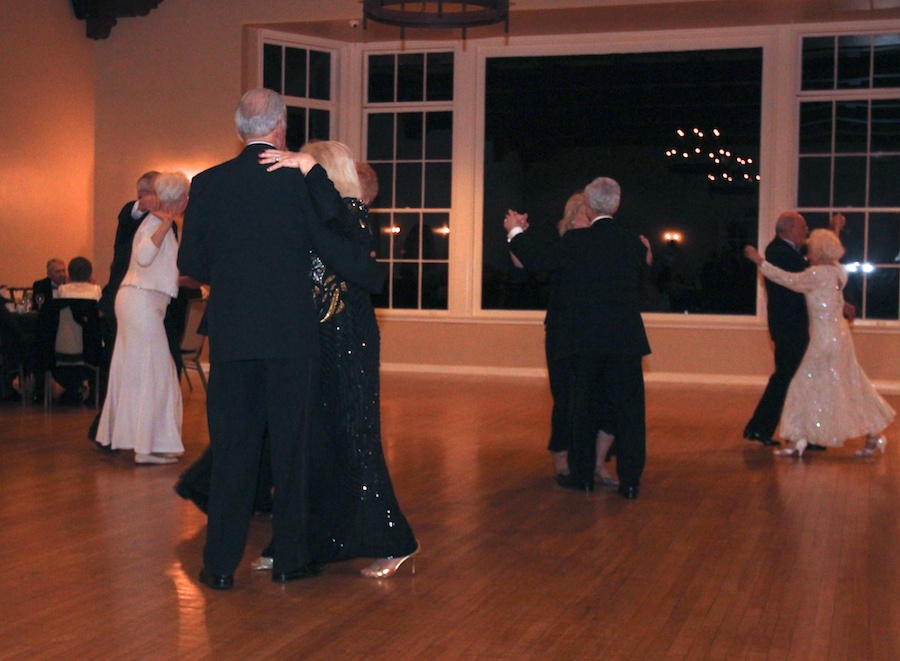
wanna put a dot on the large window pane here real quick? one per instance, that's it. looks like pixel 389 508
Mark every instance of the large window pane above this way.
pixel 439 135
pixel 319 124
pixel 410 77
pixel 816 127
pixel 551 127
pixel 850 181
pixel 381 78
pixel 884 238
pixel 410 135
pixel 437 185
pixel 886 67
pixel 409 185
pixel 851 126
pixel 319 75
pixel 885 181
pixel 439 82
pixel 296 128
pixel 886 126
pixel 814 182
pixel 272 67
pixel 381 137
pixel 882 292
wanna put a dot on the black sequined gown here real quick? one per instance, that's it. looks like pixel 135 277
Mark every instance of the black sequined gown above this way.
pixel 353 510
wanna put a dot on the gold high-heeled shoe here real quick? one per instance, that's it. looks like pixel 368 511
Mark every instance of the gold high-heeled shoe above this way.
pixel 797 448
pixel 387 567
pixel 873 445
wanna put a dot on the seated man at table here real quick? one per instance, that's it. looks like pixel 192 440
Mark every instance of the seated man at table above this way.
pixel 56 275
pixel 80 284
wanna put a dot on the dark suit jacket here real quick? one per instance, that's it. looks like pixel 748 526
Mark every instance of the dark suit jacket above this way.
pixel 43 286
pixel 246 229
pixel 599 271
pixel 786 309
pixel 125 230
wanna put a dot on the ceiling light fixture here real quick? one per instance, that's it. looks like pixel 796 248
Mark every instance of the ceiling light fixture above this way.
pixel 437 14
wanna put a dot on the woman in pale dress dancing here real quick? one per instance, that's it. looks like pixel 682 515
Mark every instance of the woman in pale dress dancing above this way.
pixel 143 409
pixel 830 399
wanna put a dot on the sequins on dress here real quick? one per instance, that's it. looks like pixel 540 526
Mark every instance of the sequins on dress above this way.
pixel 830 399
pixel 353 509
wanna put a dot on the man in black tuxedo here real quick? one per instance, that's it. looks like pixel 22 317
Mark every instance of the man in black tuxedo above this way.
pixel 57 274
pixel 788 325
pixel 244 228
pixel 602 332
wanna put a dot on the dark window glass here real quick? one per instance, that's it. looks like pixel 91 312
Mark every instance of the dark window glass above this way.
pixel 410 77
pixel 319 124
pixel 849 181
pixel 385 173
pixel 296 128
pixel 439 82
pixel 406 236
pixel 272 67
pixel 886 125
pixel 818 63
pixel 851 126
pixel 405 286
pixel 439 135
pixel 437 185
pixel 884 238
pixel 381 78
pixel 319 75
pixel 814 182
pixel 551 128
pixel 886 68
pixel 409 185
pixel 380 137
pixel 882 293
pixel 440 226
pixel 816 127
pixel 434 286
pixel 381 230
pixel 854 62
pixel 884 184
pixel 295 72
pixel 409 136
pixel 853 237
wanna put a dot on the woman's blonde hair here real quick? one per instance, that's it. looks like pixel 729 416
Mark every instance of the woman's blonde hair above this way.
pixel 338 161
pixel 824 247
pixel 574 208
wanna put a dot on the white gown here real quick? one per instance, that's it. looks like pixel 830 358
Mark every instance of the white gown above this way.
pixel 830 399
pixel 143 407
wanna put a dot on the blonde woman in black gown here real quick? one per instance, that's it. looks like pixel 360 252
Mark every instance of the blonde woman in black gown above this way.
pixel 353 510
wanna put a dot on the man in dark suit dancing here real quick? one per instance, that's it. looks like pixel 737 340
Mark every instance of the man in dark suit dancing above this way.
pixel 599 307
pixel 788 325
pixel 243 228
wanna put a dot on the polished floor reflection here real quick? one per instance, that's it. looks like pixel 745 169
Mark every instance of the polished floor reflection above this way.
pixel 729 553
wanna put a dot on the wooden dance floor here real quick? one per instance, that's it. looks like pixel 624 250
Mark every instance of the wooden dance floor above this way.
pixel 729 553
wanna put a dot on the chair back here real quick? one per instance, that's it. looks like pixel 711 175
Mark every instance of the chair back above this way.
pixel 69 337
pixel 191 340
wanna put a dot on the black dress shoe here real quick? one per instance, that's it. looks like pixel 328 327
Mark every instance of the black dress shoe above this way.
pixel 201 500
pixel 307 571
pixel 569 482
pixel 217 581
pixel 768 441
pixel 816 447
pixel 629 492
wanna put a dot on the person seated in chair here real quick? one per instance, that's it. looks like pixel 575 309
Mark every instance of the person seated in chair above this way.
pixel 49 287
pixel 80 284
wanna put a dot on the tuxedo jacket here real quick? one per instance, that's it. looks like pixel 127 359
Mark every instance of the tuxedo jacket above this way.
pixel 788 318
pixel 246 229
pixel 598 273
pixel 43 286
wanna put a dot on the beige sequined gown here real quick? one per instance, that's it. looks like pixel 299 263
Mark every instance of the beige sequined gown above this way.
pixel 830 399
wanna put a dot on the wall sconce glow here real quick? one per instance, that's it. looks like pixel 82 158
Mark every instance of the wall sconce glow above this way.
pixel 444 230
pixel 672 237
pixel 394 229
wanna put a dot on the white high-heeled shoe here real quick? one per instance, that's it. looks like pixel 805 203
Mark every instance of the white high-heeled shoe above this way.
pixel 387 567
pixel 797 448
pixel 873 445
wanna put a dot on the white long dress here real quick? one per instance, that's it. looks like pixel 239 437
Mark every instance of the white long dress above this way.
pixel 143 407
pixel 830 398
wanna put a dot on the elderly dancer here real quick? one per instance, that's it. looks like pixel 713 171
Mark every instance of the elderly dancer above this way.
pixel 143 407
pixel 243 229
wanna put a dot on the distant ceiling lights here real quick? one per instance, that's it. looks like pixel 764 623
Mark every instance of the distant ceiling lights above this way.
pixel 462 14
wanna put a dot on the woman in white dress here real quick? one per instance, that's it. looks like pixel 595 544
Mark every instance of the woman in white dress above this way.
pixel 143 408
pixel 830 399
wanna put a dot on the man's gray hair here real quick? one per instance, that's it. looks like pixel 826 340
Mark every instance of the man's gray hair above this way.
pixel 258 113
pixel 602 195
pixel 170 186
pixel 145 183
